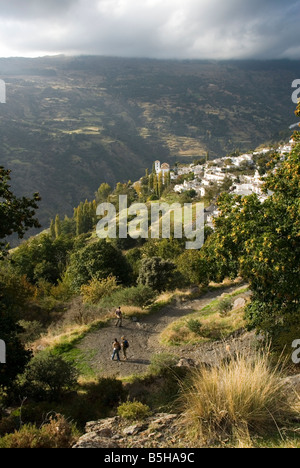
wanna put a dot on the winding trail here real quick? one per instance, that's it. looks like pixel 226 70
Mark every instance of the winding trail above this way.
pixel 143 337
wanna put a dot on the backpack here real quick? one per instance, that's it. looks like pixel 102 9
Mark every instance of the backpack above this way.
pixel 126 344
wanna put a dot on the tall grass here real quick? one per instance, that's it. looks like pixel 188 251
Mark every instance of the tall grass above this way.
pixel 237 399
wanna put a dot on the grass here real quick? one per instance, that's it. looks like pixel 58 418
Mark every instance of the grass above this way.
pixel 204 325
pixel 239 402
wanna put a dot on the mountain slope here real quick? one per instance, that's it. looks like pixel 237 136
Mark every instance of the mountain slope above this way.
pixel 72 123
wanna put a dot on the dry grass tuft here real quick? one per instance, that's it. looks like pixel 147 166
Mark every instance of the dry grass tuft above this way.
pixel 237 400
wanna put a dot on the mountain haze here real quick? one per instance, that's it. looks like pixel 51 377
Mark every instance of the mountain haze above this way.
pixel 70 124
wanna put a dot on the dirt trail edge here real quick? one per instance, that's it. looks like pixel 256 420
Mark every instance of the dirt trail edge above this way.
pixel 143 337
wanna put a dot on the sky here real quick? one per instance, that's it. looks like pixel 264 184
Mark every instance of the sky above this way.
pixel 177 29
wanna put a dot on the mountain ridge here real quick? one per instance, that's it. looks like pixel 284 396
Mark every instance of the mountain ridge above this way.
pixel 71 123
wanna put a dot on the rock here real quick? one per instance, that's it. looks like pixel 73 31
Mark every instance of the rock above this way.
pixel 186 362
pixel 293 382
pixel 239 303
pixel 93 440
pixel 104 428
pixel 133 430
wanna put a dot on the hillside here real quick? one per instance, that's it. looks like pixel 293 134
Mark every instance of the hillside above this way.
pixel 72 123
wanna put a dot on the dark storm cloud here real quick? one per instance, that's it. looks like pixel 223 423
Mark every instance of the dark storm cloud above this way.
pixel 152 28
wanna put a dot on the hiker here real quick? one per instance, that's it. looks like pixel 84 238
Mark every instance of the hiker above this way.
pixel 119 317
pixel 124 346
pixel 116 350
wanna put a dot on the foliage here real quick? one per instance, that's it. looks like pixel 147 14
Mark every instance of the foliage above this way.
pixel 16 356
pixel 194 267
pixel 43 258
pixel 194 325
pixel 93 292
pixel 48 376
pixel 139 296
pixel 225 306
pixel 134 410
pixel 156 273
pixel 98 260
pixel 17 214
pixel 262 240
pixel 162 363
pixel 56 433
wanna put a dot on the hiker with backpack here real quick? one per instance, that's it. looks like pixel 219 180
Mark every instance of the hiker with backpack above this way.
pixel 116 350
pixel 124 346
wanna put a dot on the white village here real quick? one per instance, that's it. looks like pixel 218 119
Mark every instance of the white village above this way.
pixel 215 172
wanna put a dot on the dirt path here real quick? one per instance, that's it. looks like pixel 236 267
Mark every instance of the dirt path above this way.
pixel 143 337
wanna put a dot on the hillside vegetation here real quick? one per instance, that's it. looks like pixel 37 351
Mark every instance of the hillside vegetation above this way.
pixel 72 123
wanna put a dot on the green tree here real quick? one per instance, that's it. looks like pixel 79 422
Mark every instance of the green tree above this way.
pixel 262 239
pixel 57 227
pixel 98 260
pixel 17 215
pixel 103 193
pixel 156 273
pixel 52 229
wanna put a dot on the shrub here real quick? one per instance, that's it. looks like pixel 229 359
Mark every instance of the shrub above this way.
pixel 236 399
pixel 194 326
pixel 161 363
pixel 108 392
pixel 156 273
pixel 57 433
pixel 134 410
pixel 225 306
pixel 48 376
pixel 31 331
pixel 139 296
pixel 97 289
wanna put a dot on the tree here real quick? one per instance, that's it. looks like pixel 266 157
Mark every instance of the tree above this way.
pixel 57 227
pixel 103 193
pixel 43 258
pixel 262 241
pixel 52 229
pixel 17 215
pixel 98 260
pixel 156 273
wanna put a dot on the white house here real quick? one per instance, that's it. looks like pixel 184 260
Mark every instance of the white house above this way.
pixel 162 168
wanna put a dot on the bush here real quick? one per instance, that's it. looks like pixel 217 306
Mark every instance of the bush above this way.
pixel 156 273
pixel 31 331
pixel 225 306
pixel 97 289
pixel 194 326
pixel 236 399
pixel 162 363
pixel 98 260
pixel 138 296
pixel 107 392
pixel 48 376
pixel 134 410
pixel 57 433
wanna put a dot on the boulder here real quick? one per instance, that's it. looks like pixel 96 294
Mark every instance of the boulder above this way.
pixel 239 303
pixel 93 440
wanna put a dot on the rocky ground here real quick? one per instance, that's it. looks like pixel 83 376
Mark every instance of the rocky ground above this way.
pixel 158 431
pixel 154 432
